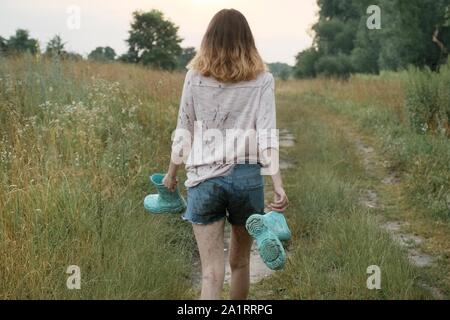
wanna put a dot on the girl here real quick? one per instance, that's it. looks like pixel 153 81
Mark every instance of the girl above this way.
pixel 226 88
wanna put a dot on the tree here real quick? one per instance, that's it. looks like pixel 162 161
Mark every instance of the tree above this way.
pixel 305 66
pixel 3 46
pixel 55 47
pixel 334 65
pixel 153 41
pixel 441 35
pixel 102 54
pixel 185 57
pixel 73 56
pixel 414 32
pixel 335 36
pixel 334 41
pixel 366 54
pixel 128 57
pixel 21 42
pixel 280 70
pixel 406 38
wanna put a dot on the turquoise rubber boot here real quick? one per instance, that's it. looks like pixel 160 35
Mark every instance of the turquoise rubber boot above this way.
pixel 269 230
pixel 165 201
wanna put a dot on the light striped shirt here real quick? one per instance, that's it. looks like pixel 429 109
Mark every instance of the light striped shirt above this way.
pixel 210 108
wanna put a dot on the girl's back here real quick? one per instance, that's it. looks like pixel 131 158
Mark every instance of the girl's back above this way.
pixel 241 113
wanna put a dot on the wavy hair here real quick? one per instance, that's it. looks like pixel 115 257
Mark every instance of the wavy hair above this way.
pixel 228 51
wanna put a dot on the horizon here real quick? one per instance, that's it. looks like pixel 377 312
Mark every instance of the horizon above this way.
pixel 278 39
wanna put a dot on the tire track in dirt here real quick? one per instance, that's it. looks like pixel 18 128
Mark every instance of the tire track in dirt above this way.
pixel 380 169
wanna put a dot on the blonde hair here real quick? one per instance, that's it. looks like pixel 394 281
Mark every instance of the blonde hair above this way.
pixel 228 51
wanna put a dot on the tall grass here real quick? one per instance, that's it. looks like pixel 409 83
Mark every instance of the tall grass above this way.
pixel 78 141
pixel 428 100
pixel 335 238
pixel 381 107
pixel 398 109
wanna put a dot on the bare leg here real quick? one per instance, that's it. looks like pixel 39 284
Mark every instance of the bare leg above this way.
pixel 210 245
pixel 241 243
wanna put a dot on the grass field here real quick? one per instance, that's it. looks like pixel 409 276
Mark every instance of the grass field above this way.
pixel 79 139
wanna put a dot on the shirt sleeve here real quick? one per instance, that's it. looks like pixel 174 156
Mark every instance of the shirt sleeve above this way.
pixel 266 117
pixel 184 133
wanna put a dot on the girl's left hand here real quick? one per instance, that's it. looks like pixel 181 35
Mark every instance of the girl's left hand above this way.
pixel 280 200
pixel 170 182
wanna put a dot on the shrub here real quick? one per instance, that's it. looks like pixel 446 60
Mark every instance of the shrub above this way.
pixel 428 100
pixel 422 102
pixel 330 66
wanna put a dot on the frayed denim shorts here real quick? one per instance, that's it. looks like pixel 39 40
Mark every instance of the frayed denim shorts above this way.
pixel 235 196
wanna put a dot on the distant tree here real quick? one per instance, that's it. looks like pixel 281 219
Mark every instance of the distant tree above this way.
pixel 441 34
pixel 21 42
pixel 414 32
pixel 153 41
pixel 73 56
pixel 305 66
pixel 407 35
pixel 335 36
pixel 334 65
pixel 128 57
pixel 280 70
pixel 55 47
pixel 102 54
pixel 284 74
pixel 185 57
pixel 366 53
pixel 3 46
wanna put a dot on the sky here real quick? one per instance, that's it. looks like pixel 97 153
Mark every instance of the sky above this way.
pixel 281 27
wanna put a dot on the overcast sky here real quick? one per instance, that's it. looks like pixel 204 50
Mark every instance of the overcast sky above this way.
pixel 281 27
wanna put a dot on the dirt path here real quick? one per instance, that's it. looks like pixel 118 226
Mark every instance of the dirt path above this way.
pixel 258 270
pixel 388 179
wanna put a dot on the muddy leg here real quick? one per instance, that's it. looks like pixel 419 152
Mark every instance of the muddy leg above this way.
pixel 210 245
pixel 240 246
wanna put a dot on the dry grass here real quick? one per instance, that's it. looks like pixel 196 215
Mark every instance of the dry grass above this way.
pixel 78 141
pixel 382 92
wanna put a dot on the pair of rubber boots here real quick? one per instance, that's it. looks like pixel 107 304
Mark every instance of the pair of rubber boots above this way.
pixel 164 201
pixel 269 230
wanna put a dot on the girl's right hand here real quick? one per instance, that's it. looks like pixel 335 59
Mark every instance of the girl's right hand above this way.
pixel 170 182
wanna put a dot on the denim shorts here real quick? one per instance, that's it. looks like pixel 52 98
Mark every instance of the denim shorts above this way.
pixel 236 196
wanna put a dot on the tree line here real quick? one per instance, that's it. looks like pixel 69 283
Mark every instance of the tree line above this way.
pixel 153 41
pixel 413 32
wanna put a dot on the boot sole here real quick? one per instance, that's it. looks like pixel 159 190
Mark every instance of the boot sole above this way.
pixel 269 246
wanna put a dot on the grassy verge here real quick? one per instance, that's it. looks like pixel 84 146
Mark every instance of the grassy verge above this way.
pixel 335 238
pixel 78 141
pixel 378 108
